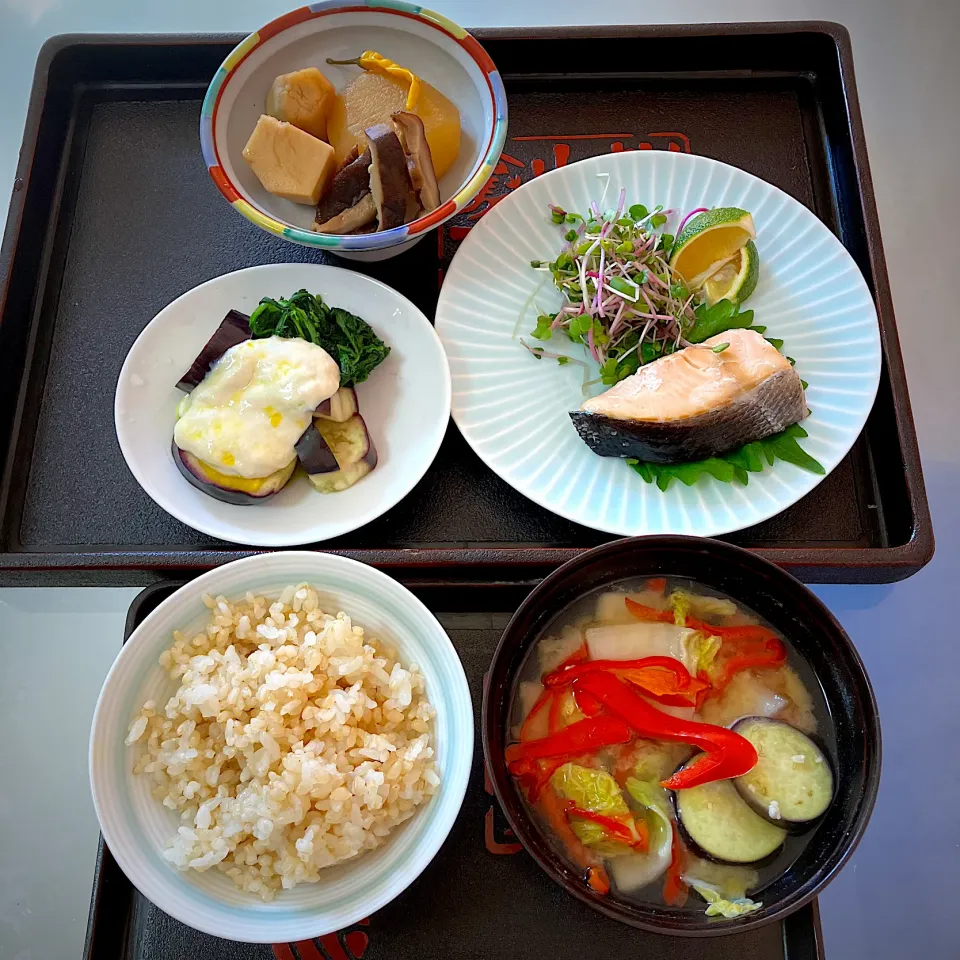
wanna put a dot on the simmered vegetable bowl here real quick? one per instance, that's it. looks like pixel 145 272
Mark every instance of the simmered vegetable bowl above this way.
pixel 668 743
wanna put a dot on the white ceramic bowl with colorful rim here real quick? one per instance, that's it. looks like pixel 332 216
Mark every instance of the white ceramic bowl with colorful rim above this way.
pixel 513 408
pixel 405 404
pixel 436 49
pixel 137 828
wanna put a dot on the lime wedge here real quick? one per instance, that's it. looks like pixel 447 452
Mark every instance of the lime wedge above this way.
pixel 737 278
pixel 709 241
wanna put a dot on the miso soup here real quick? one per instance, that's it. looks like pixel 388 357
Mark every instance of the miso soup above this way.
pixel 674 747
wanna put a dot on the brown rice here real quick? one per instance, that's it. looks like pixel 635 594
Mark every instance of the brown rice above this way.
pixel 293 741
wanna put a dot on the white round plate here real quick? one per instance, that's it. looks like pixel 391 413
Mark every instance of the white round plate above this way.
pixel 512 408
pixel 137 828
pixel 405 403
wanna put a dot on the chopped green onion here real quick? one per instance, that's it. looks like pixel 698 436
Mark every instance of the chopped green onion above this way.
pixel 720 347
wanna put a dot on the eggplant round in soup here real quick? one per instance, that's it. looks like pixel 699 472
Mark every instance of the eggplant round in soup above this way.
pixel 667 739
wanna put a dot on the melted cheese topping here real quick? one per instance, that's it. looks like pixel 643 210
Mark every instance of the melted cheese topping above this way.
pixel 254 404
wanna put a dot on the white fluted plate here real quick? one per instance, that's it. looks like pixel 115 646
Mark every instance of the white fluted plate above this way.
pixel 513 408
pixel 137 827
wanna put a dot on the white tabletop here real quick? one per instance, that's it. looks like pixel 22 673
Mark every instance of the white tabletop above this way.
pixel 897 896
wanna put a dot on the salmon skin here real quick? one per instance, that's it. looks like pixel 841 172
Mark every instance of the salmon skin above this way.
pixel 696 403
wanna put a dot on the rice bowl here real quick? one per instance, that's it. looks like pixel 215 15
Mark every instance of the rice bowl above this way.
pixel 367 866
pixel 276 769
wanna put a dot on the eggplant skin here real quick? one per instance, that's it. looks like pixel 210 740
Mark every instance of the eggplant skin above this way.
pixel 314 452
pixel 336 455
pixel 234 328
pixel 772 406
pixel 196 473
pixel 700 845
pixel 340 407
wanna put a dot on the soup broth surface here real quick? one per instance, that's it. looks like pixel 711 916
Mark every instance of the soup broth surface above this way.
pixel 628 838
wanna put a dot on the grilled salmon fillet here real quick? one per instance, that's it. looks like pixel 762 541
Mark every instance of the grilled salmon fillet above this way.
pixel 696 403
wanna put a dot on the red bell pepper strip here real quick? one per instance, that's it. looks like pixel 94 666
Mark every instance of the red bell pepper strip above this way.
pixel 567 673
pixel 706 690
pixel 658 686
pixel 554 698
pixel 578 655
pixel 618 829
pixel 664 679
pixel 674 889
pixel 587 704
pixel 545 697
pixel 553 810
pixel 750 631
pixel 642 612
pixel 534 775
pixel 584 736
pixel 745 632
pixel 688 699
pixel 771 653
pixel 598 880
pixel 547 770
pixel 726 754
